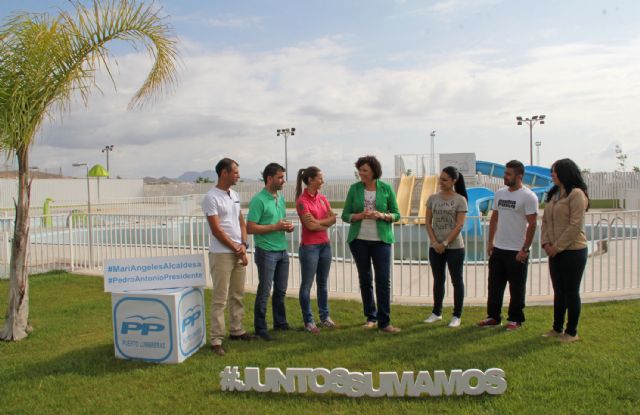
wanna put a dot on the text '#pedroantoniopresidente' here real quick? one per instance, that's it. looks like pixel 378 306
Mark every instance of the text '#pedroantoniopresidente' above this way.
pixel 150 278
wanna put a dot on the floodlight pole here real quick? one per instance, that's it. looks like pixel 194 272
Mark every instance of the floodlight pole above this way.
pixel 108 149
pixel 286 132
pixel 90 230
pixel 432 168
pixel 531 122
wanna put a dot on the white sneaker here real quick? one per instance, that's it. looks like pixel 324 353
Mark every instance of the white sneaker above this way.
pixel 432 318
pixel 455 322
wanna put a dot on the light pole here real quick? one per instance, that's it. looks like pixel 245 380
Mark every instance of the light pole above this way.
pixel 286 132
pixel 107 149
pixel 88 213
pixel 538 144
pixel 531 122
pixel 432 168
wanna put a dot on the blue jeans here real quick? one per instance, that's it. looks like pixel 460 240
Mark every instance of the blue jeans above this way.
pixel 273 269
pixel 454 258
pixel 315 260
pixel 379 253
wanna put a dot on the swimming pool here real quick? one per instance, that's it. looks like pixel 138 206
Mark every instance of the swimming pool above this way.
pixel 412 243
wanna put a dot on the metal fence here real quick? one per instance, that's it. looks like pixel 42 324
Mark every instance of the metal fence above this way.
pixel 63 242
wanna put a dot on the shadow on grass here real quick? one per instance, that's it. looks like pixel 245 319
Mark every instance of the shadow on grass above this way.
pixel 93 361
pixel 332 398
pixel 417 347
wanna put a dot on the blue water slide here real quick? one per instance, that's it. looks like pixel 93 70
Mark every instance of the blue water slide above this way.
pixel 543 171
pixel 480 200
pixel 534 176
pixel 543 176
pixel 537 177
pixel 540 192
pixel 490 169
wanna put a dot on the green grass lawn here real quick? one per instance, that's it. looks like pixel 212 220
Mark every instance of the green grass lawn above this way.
pixel 68 364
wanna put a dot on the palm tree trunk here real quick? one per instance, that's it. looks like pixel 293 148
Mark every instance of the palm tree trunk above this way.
pixel 16 325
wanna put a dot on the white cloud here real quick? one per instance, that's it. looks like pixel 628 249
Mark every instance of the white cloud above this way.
pixel 230 104
pixel 446 8
pixel 223 21
pixel 455 6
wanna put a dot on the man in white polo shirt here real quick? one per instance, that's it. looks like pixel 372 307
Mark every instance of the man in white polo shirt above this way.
pixel 227 254
pixel 511 230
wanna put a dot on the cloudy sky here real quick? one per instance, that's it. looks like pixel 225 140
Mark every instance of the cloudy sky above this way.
pixel 365 77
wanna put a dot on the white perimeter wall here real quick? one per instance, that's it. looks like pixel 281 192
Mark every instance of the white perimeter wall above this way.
pixel 71 190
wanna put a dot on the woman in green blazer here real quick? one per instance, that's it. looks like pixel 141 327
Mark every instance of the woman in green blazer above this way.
pixel 371 208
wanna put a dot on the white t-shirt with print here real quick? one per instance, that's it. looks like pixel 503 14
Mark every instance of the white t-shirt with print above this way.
pixel 513 208
pixel 369 228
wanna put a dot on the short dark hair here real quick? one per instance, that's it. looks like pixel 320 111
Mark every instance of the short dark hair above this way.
pixel 517 166
pixel 373 162
pixel 226 164
pixel 270 170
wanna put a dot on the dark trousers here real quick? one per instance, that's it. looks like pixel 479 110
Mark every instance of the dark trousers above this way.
pixel 454 259
pixel 566 270
pixel 503 269
pixel 377 253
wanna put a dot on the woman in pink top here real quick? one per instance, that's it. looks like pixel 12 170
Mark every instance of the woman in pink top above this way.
pixel 315 249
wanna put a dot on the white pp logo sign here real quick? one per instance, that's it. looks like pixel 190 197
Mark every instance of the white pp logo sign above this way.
pixel 162 326
pixel 356 384
pixel 142 329
pixel 191 321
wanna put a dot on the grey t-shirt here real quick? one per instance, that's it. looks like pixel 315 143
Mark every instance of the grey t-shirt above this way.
pixel 444 216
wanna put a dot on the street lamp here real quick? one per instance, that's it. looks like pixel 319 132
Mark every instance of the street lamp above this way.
pixel 107 149
pixel 531 122
pixel 88 213
pixel 286 132
pixel 538 144
pixel 432 168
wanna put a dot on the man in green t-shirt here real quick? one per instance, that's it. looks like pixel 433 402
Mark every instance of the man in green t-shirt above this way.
pixel 267 221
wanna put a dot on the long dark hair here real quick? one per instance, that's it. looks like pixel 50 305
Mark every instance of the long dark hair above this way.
pixel 458 180
pixel 568 173
pixel 303 176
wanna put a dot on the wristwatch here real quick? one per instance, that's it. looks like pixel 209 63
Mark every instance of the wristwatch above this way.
pixel 246 245
pixel 445 243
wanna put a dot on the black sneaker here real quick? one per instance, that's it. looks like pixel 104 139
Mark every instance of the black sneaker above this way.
pixel 244 336
pixel 264 336
pixel 281 328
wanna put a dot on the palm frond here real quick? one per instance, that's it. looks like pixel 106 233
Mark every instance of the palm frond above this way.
pixel 45 61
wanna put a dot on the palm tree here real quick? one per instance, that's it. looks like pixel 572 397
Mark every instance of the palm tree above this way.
pixel 46 61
